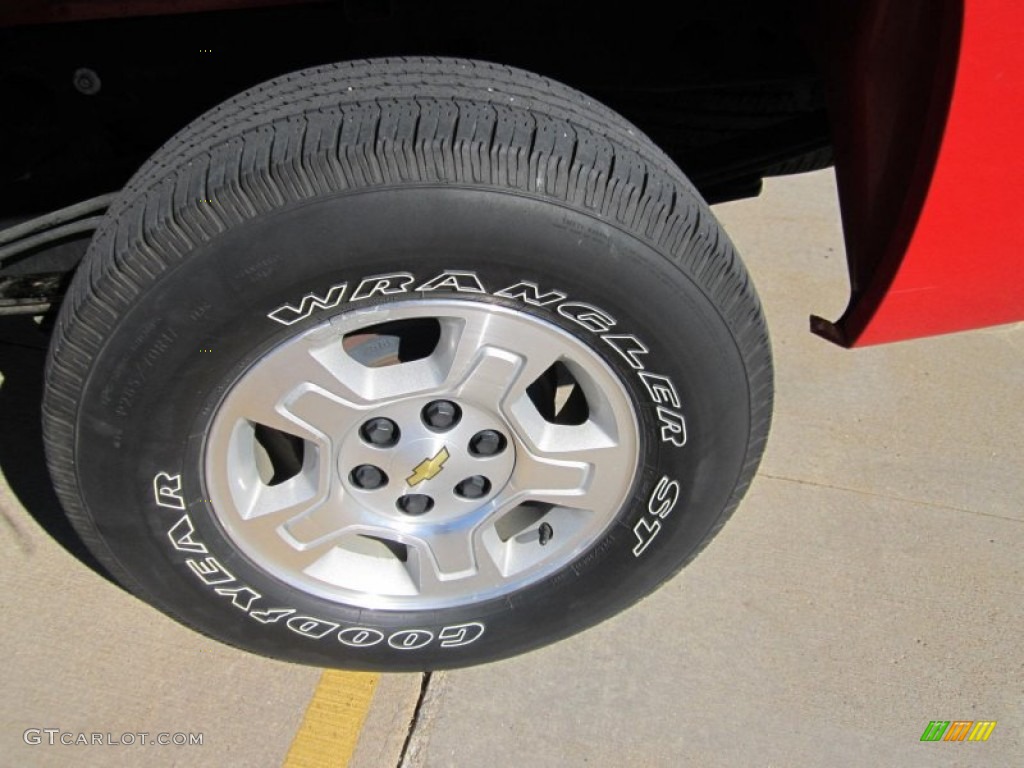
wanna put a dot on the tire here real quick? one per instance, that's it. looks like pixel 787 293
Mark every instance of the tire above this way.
pixel 361 290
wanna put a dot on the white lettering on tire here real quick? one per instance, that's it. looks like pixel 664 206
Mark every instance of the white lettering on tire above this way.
pixel 271 616
pixel 645 531
pixel 167 491
pixel 586 316
pixel 660 388
pixel 210 571
pixel 181 537
pixel 410 639
pixel 464 282
pixel 310 627
pixel 241 597
pixel 662 501
pixel 383 285
pixel 673 427
pixel 529 292
pixel 461 634
pixel 286 314
pixel 360 637
pixel 629 348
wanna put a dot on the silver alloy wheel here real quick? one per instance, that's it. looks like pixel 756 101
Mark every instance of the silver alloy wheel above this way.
pixel 421 455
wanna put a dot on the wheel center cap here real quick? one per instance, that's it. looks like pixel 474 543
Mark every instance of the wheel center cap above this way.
pixel 432 473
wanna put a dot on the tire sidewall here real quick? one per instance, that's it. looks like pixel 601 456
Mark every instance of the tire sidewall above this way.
pixel 194 330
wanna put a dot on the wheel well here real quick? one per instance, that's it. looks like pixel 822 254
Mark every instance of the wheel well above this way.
pixel 727 90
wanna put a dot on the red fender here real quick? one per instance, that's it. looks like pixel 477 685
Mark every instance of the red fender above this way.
pixel 927 110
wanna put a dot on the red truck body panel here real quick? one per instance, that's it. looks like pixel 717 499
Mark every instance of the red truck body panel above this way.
pixel 962 268
pixel 931 208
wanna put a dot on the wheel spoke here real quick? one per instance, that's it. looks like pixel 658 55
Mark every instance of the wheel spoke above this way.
pixel 286 501
pixel 489 377
pixel 487 362
pixel 324 521
pixel 446 554
pixel 299 559
pixel 268 392
pixel 270 516
pixel 321 411
pixel 543 477
pixel 580 476
pixel 535 363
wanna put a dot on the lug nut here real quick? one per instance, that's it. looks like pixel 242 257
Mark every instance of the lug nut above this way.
pixel 441 414
pixel 473 487
pixel 487 443
pixel 380 432
pixel 415 504
pixel 368 477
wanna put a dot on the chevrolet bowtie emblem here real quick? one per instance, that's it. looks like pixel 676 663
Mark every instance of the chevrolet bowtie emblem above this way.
pixel 428 469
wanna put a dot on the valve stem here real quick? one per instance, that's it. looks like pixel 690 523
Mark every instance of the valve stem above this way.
pixel 546 532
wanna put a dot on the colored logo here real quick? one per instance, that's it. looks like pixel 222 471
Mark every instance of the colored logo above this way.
pixel 428 469
pixel 958 730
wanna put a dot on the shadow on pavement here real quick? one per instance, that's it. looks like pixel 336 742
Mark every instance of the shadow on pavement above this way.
pixel 23 346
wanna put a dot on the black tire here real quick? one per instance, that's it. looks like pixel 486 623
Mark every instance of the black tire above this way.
pixel 421 166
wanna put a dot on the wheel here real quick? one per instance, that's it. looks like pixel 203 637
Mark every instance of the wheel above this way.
pixel 405 364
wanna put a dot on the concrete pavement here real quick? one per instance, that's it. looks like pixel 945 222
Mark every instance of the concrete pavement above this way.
pixel 871 582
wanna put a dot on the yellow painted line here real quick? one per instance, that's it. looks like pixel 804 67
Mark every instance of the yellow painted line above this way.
pixel 335 715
